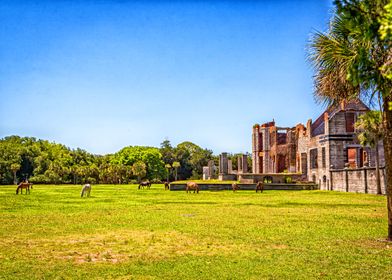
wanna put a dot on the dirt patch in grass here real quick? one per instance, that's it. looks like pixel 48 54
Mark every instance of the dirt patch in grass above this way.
pixel 134 245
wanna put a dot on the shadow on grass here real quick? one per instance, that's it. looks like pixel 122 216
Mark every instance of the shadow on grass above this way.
pixel 301 204
pixel 185 202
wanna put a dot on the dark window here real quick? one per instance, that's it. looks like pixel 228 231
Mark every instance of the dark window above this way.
pixel 350 120
pixel 260 147
pixel 313 158
pixel 323 156
pixel 282 138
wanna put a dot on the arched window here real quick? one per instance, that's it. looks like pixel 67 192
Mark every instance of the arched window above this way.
pixel 267 180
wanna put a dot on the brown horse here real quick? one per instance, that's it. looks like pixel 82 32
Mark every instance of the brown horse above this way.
pixel 144 184
pixel 235 187
pixel 167 186
pixel 192 186
pixel 259 187
pixel 24 185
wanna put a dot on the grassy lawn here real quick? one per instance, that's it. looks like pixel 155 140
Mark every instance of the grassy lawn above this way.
pixel 124 233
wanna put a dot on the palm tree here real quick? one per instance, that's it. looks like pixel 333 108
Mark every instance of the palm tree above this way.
pixel 15 168
pixel 139 169
pixel 350 61
pixel 168 167
pixel 370 125
pixel 176 165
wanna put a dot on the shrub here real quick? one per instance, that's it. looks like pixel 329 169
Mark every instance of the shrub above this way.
pixel 288 180
pixel 156 181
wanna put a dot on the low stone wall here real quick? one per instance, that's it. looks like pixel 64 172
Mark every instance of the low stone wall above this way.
pixel 277 178
pixel 360 180
pixel 221 187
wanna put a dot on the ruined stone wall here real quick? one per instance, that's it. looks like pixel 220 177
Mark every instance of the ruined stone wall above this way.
pixel 255 149
pixel 302 148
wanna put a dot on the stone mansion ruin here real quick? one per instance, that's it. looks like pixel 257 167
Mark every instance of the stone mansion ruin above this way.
pixel 325 151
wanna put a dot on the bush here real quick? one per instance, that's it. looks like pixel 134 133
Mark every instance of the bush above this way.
pixel 267 180
pixel 39 179
pixel 91 180
pixel 288 180
pixel 156 181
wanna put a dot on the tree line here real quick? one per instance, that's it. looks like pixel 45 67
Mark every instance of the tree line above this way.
pixel 41 161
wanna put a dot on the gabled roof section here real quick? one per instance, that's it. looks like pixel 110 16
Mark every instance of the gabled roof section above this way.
pixel 354 105
pixel 317 127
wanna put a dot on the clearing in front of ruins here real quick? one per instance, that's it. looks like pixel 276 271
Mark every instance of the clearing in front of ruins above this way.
pixel 122 232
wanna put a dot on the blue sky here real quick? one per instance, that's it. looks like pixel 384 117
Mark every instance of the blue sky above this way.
pixel 101 75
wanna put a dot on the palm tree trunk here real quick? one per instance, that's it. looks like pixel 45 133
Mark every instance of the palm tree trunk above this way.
pixel 378 181
pixel 387 121
pixel 15 178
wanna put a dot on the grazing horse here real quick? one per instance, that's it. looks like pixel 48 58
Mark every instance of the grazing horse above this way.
pixel 259 187
pixel 167 186
pixel 24 185
pixel 144 184
pixel 192 186
pixel 86 190
pixel 235 187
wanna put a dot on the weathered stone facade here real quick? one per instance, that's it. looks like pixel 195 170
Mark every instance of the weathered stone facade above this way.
pixel 329 143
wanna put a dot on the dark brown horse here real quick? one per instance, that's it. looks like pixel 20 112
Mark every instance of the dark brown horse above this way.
pixel 24 185
pixel 144 184
pixel 259 187
pixel 235 187
pixel 192 186
pixel 167 186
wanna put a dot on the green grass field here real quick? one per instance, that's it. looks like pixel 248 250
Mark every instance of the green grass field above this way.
pixel 124 233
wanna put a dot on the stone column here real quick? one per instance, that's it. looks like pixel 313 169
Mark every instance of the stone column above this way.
pixel 223 164
pixel 239 164
pixel 229 167
pixel 211 169
pixel 244 165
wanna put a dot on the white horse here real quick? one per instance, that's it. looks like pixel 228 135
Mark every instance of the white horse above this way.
pixel 86 190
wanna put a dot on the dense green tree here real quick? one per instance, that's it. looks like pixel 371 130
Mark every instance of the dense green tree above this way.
pixel 168 168
pixel 150 156
pixel 176 165
pixel 371 133
pixel 167 152
pixel 194 157
pixel 10 152
pixel 14 168
pixel 139 170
